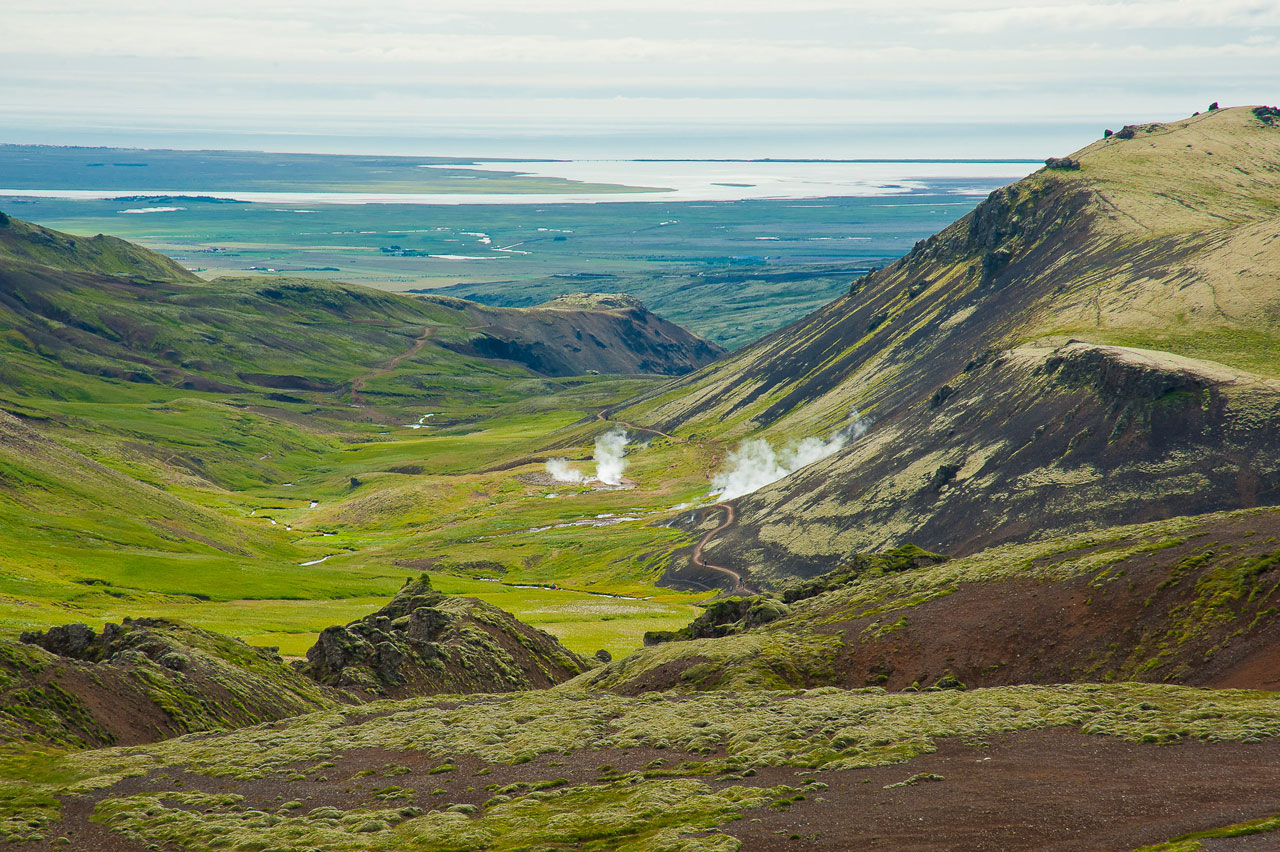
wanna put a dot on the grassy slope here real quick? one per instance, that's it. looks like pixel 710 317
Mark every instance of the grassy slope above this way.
pixel 1185 600
pixel 23 242
pixel 151 453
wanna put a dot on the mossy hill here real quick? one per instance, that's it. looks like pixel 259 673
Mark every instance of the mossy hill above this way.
pixel 140 681
pixel 1191 600
pixel 1090 346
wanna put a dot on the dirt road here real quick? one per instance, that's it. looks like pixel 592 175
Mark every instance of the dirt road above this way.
pixel 739 587
pixel 358 384
pixel 604 415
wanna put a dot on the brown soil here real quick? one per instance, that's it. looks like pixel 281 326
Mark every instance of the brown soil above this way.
pixel 1131 624
pixel 1056 789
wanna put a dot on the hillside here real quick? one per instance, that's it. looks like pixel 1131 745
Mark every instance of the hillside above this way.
pixel 25 243
pixel 1187 600
pixel 110 310
pixel 1090 346
pixel 583 333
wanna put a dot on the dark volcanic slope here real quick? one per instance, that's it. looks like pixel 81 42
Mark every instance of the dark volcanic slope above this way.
pixel 584 333
pixel 1090 346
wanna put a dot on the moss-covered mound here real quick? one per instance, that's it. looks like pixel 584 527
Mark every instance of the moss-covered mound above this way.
pixel 141 681
pixel 426 643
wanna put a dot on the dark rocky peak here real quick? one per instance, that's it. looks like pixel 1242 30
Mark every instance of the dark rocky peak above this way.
pixel 426 643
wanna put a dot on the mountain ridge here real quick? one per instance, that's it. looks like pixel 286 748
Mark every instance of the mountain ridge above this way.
pixel 1107 254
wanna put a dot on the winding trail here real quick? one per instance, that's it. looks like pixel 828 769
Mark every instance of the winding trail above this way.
pixel 603 414
pixel 357 385
pixel 697 559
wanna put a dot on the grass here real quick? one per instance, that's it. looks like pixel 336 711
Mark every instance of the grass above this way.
pixel 204 475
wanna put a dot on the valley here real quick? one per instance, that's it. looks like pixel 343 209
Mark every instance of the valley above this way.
pixel 974 549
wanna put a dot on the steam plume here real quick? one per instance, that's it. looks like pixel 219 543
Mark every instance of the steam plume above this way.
pixel 610 459
pixel 755 464
pixel 561 472
pixel 610 456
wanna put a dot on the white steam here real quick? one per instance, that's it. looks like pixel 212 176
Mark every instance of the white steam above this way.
pixel 755 464
pixel 561 472
pixel 610 458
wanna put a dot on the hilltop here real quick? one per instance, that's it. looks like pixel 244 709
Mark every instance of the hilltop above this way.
pixel 24 243
pixel 1093 345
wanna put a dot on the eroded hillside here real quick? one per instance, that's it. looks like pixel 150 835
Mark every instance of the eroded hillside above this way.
pixel 1095 344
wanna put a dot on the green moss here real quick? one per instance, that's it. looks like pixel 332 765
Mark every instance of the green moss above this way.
pixel 1191 842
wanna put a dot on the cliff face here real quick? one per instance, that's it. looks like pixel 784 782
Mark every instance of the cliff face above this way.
pixel 1089 346
pixel 425 643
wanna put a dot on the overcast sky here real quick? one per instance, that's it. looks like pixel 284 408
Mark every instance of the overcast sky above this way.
pixel 76 71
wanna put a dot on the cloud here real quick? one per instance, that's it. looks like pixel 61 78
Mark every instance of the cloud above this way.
pixel 1076 17
pixel 400 64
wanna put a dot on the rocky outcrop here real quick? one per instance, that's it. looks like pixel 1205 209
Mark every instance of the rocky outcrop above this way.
pixel 140 681
pixel 426 643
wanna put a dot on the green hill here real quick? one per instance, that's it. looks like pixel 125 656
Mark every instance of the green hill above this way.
pixel 25 243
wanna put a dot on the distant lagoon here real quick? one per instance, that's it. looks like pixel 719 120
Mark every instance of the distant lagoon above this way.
pixel 654 180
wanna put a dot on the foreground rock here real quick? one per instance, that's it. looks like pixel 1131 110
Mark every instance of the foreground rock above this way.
pixel 144 680
pixel 426 643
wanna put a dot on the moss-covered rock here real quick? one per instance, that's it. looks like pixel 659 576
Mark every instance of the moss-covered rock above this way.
pixel 427 643
pixel 140 681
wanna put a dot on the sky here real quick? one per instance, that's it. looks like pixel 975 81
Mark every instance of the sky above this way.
pixel 627 77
